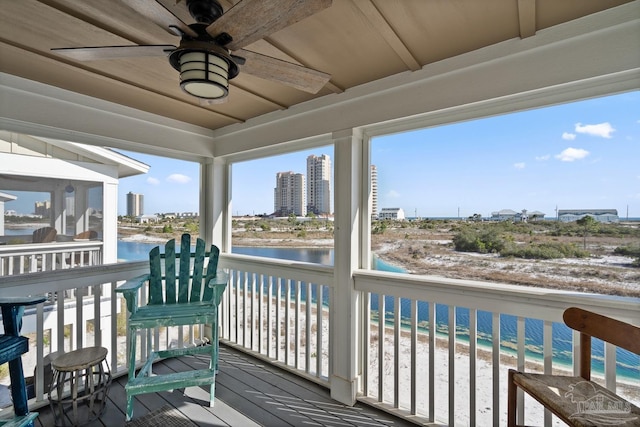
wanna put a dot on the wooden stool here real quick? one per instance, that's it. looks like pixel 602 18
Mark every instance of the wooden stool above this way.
pixel 80 376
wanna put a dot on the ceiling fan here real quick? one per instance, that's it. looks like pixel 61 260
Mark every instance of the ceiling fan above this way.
pixel 211 51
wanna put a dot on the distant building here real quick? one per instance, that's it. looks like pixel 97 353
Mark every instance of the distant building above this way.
pixel 135 204
pixel 600 215
pixel 391 213
pixel 374 192
pixel 146 219
pixel 70 202
pixel 5 197
pixel 289 194
pixel 319 184
pixel 504 215
pixel 42 208
pixel 511 215
pixel 536 215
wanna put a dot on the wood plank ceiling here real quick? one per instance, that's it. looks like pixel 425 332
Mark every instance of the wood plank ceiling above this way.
pixel 355 41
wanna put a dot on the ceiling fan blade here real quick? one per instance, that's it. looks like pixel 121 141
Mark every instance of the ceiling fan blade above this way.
pixel 297 76
pixel 160 15
pixel 252 20
pixel 114 52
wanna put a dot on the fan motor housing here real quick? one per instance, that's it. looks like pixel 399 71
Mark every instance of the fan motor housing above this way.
pixel 205 11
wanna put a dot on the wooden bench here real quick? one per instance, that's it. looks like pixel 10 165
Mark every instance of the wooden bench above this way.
pixel 182 294
pixel 12 347
pixel 577 400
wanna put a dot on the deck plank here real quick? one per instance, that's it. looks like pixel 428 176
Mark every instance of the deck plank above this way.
pixel 249 392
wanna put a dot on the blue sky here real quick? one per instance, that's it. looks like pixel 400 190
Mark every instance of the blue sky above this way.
pixel 573 156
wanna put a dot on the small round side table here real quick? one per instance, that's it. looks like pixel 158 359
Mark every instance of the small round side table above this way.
pixel 80 384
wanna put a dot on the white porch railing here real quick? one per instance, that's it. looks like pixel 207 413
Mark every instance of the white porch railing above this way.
pixel 415 367
pixel 34 257
pixel 279 310
pixel 412 367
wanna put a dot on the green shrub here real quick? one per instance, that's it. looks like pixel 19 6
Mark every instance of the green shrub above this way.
pixel 265 226
pixel 553 250
pixel 192 227
pixel 630 251
pixel 379 228
pixel 484 241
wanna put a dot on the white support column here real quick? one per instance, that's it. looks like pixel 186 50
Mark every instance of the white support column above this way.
pixel 81 207
pixel 215 203
pixel 58 214
pixel 109 222
pixel 345 317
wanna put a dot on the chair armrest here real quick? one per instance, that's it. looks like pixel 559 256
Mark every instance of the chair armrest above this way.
pixel 218 283
pixel 221 278
pixel 129 290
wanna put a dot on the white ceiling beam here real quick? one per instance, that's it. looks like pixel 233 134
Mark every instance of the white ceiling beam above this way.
pixel 527 18
pixel 378 22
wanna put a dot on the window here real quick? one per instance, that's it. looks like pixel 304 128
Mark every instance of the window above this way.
pixel 484 199
pixel 282 206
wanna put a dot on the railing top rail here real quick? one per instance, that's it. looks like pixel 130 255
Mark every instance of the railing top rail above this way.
pixel 29 248
pixel 288 269
pixel 72 278
pixel 516 300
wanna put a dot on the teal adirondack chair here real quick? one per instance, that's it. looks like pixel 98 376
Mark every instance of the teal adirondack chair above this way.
pixel 186 294
pixel 12 347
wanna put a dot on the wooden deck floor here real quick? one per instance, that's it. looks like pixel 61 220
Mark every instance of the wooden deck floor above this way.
pixel 249 392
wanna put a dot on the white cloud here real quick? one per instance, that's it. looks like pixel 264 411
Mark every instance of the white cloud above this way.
pixel 393 193
pixel 568 136
pixel 603 130
pixel 570 154
pixel 153 181
pixel 178 178
pixel 519 165
pixel 543 158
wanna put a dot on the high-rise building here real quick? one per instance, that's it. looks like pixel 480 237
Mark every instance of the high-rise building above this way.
pixel 135 204
pixel 43 208
pixel 374 192
pixel 319 184
pixel 289 195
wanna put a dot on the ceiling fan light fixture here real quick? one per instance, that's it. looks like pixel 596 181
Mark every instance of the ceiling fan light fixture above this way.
pixel 204 74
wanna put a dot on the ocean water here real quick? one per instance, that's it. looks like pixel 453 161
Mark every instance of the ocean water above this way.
pixel 628 364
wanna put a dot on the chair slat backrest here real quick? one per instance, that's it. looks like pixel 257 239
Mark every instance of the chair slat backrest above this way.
pixel 589 324
pixel 189 278
pixel 170 271
pixel 198 267
pixel 214 294
pixel 44 235
pixel 155 277
pixel 185 267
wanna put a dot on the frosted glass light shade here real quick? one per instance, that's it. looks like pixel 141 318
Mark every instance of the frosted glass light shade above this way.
pixel 204 75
